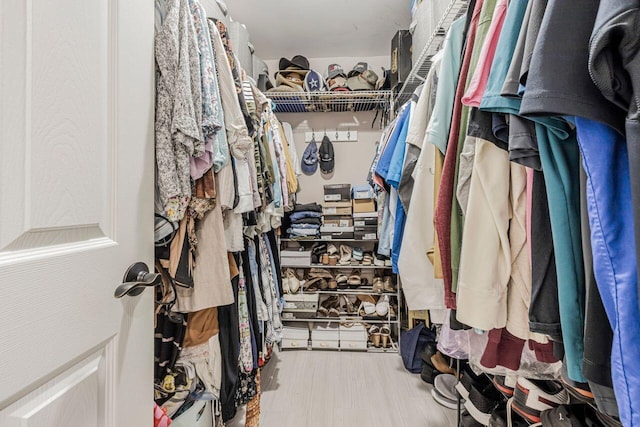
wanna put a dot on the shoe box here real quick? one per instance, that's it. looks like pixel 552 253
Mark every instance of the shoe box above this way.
pixel 299 306
pixel 368 232
pixel 361 192
pixel 337 221
pixel 365 219
pixel 363 205
pixel 337 208
pixel 296 336
pixel 292 258
pixel 337 192
pixel 353 336
pixel 329 233
pixel 325 336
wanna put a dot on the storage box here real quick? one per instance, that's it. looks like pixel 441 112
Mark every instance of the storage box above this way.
pixel 290 258
pixel 337 192
pixel 362 235
pixel 325 332
pixel 366 229
pixel 336 208
pixel 364 222
pixel 364 205
pixel 342 235
pixel 242 47
pixel 300 306
pixel 362 192
pixel 338 221
pixel 353 336
pixel 400 57
pixel 325 344
pixel 294 343
pixel 297 332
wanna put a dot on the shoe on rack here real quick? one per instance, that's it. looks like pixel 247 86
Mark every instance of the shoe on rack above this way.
pixel 331 249
pixel 562 416
pixel 388 284
pixel 367 305
pixel 379 260
pixel 469 379
pixel 443 400
pixel 349 304
pixel 378 285
pixel 285 283
pixel 334 259
pixel 578 391
pixel 446 386
pixel 439 362
pixel 342 281
pixel 499 418
pixel 466 420
pixel 505 384
pixel 355 280
pixel 385 335
pixel 292 281
pixel 374 335
pixel 382 307
pixel 429 373
pixel 367 259
pixel 345 255
pixel 314 285
pixel 482 402
pixel 531 397
pixel 357 254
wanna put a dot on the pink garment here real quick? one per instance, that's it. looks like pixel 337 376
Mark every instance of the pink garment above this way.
pixel 478 82
pixel 160 418
pixel 529 208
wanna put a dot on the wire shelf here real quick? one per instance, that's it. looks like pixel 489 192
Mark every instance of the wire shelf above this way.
pixel 325 102
pixel 418 74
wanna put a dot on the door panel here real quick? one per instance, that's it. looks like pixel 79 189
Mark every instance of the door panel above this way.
pixel 76 193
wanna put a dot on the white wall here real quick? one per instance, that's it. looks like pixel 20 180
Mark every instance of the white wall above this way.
pixel 352 159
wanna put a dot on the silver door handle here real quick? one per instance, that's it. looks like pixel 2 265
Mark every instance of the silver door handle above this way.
pixel 136 279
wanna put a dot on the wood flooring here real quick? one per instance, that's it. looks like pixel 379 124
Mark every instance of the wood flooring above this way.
pixel 335 389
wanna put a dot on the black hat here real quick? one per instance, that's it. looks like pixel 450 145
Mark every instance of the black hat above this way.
pixel 298 61
pixel 327 160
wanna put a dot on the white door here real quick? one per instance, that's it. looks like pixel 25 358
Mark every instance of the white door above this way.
pixel 76 190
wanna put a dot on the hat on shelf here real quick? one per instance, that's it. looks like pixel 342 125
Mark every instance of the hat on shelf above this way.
pixel 358 69
pixel 313 82
pixel 297 62
pixel 290 80
pixel 335 70
pixel 327 160
pixel 338 84
pixel 364 81
pixel 309 163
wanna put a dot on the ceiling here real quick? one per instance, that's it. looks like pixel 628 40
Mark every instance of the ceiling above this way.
pixel 321 28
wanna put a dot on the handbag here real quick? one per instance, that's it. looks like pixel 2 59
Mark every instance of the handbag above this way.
pixel 412 343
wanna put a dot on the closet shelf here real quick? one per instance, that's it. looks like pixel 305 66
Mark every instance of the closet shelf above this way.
pixel 326 102
pixel 342 319
pixel 344 267
pixel 418 74
pixel 328 240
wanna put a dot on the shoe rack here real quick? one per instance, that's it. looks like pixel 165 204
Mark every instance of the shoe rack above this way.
pixel 323 308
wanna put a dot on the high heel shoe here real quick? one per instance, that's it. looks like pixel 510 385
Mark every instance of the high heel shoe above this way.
pixel 385 334
pixel 291 280
pixel 374 336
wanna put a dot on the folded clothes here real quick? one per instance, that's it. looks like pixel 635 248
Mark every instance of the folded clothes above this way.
pixel 305 226
pixel 311 207
pixel 316 221
pixel 302 232
pixel 306 214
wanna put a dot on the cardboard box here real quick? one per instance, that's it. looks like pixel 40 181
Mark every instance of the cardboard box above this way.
pixel 337 192
pixel 363 235
pixel 362 192
pixel 336 208
pixel 363 222
pixel 366 229
pixel 364 205
pixel 337 235
pixel 338 221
